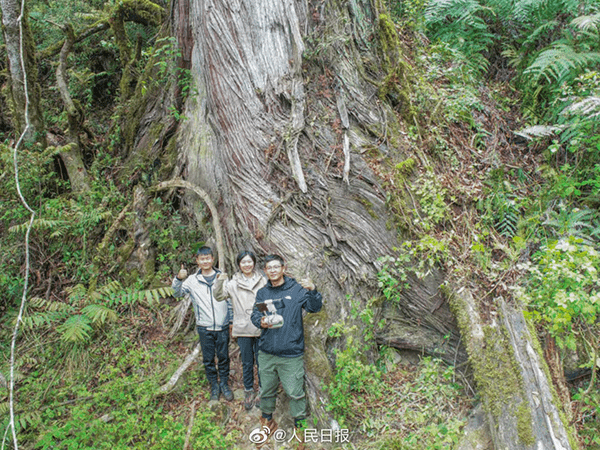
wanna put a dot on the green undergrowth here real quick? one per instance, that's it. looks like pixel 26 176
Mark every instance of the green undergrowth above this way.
pixel 415 406
pixel 389 403
pixel 104 394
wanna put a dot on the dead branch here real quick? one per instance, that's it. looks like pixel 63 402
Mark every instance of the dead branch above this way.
pixel 175 377
pixel 179 313
pixel 186 445
pixel 71 154
pixel 55 49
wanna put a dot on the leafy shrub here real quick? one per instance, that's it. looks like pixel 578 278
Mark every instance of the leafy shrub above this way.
pixel 432 200
pixel 563 294
pixel 428 413
pixel 563 291
pixel 418 258
pixel 354 382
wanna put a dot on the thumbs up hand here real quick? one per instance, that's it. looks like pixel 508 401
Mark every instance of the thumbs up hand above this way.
pixel 182 274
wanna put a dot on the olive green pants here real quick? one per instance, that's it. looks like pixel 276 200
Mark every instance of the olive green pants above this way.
pixel 290 371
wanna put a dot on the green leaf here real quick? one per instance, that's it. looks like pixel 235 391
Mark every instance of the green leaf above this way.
pixel 75 329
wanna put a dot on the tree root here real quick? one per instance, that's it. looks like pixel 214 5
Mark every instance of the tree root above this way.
pixel 186 445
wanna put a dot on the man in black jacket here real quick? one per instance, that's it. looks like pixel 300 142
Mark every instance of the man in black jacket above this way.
pixel 281 344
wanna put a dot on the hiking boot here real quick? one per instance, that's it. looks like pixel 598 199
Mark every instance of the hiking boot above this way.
pixel 226 392
pixel 268 427
pixel 215 392
pixel 248 400
pixel 270 424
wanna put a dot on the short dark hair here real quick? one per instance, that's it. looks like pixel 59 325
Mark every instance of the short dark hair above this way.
pixel 205 251
pixel 270 258
pixel 241 255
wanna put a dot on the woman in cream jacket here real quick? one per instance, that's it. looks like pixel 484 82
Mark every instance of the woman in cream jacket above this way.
pixel 241 289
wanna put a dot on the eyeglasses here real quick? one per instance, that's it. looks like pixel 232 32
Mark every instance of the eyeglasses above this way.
pixel 273 267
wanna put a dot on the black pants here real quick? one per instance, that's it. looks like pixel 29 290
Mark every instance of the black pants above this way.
pixel 215 343
pixel 249 354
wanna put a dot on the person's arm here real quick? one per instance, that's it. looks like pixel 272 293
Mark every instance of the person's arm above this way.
pixel 312 300
pixel 256 315
pixel 221 288
pixel 179 290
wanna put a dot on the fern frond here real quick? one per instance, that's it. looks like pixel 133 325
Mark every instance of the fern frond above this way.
pixel 587 23
pixel 149 296
pixel 38 224
pixel 42 319
pixel 442 10
pixel 48 305
pixel 506 223
pixel 576 222
pixel 76 292
pixel 75 329
pixel 539 11
pixel 540 32
pixel 112 287
pixel 539 131
pixel 93 217
pixel 99 314
pixel 588 107
pixel 27 419
pixel 558 62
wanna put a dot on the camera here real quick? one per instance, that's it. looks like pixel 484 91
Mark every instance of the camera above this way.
pixel 275 320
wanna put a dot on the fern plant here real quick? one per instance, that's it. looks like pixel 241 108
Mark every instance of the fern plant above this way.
pixel 87 309
pixel 567 222
pixel 500 206
pixel 558 63
pixel 462 25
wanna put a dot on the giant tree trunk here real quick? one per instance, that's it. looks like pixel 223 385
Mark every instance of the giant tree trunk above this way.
pixel 281 137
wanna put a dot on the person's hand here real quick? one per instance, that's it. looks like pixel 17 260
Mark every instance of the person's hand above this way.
pixel 264 324
pixel 182 274
pixel 307 283
pixel 222 276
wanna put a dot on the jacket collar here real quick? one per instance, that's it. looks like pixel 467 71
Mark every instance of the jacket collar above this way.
pixel 201 278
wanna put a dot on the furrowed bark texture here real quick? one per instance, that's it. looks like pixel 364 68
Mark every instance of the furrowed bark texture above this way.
pixel 279 143
pixel 280 136
pixel 512 377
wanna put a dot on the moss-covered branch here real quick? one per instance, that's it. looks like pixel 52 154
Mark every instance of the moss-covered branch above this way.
pixel 55 49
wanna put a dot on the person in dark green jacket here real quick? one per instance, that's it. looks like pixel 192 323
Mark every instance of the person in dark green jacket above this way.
pixel 281 344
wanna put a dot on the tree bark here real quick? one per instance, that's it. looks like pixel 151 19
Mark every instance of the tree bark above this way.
pixel 71 153
pixel 523 411
pixel 259 141
pixel 281 137
pixel 24 100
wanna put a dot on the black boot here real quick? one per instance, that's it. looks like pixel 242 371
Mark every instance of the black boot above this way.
pixel 226 391
pixel 215 391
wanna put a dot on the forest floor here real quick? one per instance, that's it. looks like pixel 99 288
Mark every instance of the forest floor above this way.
pixel 419 398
